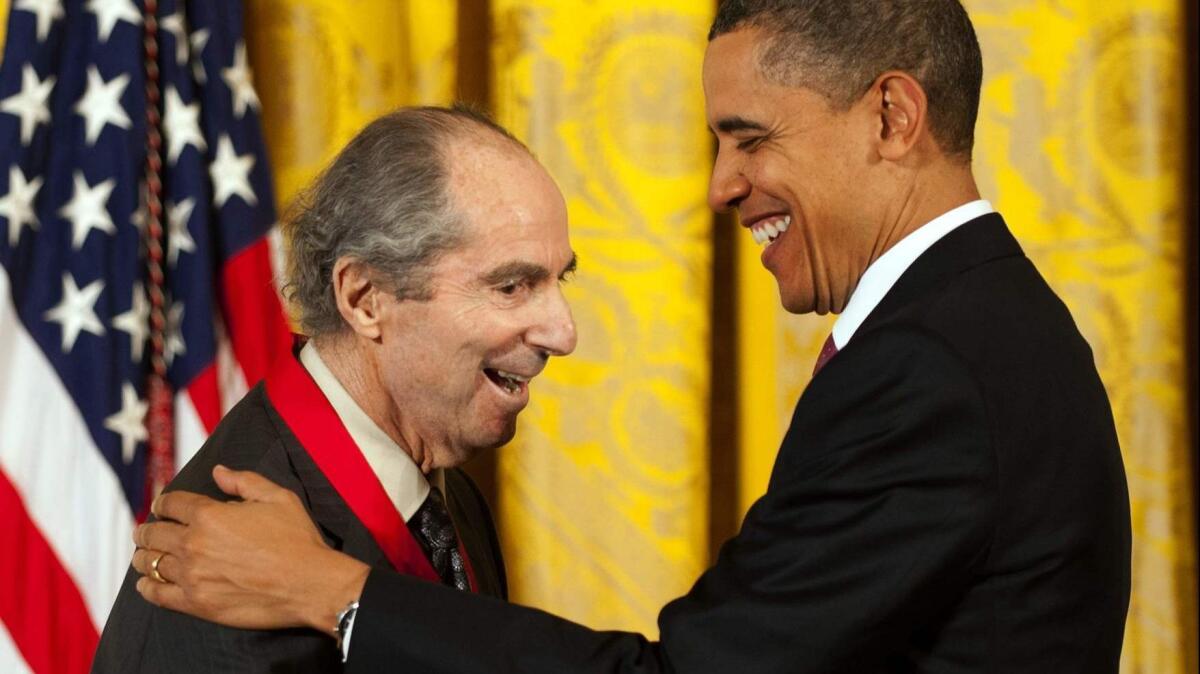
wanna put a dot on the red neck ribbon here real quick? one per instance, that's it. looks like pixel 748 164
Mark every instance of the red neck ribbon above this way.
pixel 316 425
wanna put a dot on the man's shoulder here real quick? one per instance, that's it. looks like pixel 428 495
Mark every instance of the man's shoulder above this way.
pixel 139 637
pixel 248 437
pixel 999 312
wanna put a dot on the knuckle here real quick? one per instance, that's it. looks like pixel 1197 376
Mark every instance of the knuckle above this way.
pixel 201 512
pixel 198 597
pixel 191 544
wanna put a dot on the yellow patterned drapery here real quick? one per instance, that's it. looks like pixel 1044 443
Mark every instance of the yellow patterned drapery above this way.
pixel 1079 146
pixel 325 68
pixel 603 496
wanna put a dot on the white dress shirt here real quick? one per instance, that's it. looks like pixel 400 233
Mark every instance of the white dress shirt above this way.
pixel 883 273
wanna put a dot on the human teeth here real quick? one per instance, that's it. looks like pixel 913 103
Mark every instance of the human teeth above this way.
pixel 765 232
pixel 510 382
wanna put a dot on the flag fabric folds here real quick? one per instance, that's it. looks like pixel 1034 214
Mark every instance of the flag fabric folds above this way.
pixel 74 310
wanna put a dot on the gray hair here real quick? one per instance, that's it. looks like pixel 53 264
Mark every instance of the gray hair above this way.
pixel 838 47
pixel 385 202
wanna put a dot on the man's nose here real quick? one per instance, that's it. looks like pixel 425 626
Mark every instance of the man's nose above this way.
pixel 728 186
pixel 554 331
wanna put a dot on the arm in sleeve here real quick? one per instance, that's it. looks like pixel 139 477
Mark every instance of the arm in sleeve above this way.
pixel 878 510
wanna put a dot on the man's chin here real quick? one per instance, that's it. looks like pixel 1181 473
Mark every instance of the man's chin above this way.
pixel 506 434
pixel 807 302
pixel 490 440
pixel 800 304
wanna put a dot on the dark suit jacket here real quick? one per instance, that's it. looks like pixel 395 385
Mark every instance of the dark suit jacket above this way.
pixel 140 637
pixel 949 498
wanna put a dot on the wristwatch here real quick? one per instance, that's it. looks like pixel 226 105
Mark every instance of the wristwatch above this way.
pixel 344 624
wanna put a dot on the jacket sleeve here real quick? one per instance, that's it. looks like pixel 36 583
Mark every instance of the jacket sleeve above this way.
pixel 877 515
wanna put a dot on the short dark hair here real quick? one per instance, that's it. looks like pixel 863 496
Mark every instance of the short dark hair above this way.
pixel 838 47
pixel 385 201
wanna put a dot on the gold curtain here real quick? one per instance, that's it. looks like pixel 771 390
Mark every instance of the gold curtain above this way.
pixel 1080 146
pixel 325 68
pixel 603 496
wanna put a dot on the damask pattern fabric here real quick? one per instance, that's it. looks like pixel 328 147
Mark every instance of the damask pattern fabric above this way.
pixel 1080 144
pixel 604 495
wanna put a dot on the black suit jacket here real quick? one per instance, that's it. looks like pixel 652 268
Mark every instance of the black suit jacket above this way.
pixel 950 497
pixel 140 637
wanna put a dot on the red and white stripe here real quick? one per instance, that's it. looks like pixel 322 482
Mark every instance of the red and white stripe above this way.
pixel 65 544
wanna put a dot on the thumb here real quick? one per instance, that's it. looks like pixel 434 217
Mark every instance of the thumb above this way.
pixel 247 485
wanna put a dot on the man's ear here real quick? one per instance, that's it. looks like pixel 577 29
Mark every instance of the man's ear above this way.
pixel 358 297
pixel 903 112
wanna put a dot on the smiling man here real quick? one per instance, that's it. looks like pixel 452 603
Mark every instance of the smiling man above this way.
pixel 425 264
pixel 950 496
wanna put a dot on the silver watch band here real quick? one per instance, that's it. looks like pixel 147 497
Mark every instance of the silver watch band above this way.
pixel 343 626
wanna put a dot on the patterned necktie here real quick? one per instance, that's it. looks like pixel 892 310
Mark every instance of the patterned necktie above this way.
pixel 434 531
pixel 828 351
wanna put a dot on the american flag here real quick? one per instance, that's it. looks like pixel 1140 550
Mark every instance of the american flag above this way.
pixel 74 313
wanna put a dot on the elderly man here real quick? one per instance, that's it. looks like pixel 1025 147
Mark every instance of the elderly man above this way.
pixel 426 264
pixel 950 496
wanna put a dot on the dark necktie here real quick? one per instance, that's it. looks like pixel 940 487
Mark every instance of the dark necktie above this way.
pixel 828 351
pixel 434 531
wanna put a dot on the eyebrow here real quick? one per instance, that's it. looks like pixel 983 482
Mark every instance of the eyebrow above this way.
pixel 735 123
pixel 525 271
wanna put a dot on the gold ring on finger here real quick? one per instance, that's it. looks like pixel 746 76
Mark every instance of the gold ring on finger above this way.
pixel 154 572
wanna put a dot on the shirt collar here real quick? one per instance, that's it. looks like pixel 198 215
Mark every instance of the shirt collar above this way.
pixel 402 479
pixel 883 273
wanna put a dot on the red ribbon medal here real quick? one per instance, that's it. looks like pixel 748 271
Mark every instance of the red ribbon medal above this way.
pixel 316 425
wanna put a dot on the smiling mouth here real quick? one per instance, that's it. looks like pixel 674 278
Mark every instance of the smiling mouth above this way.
pixel 508 382
pixel 765 231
